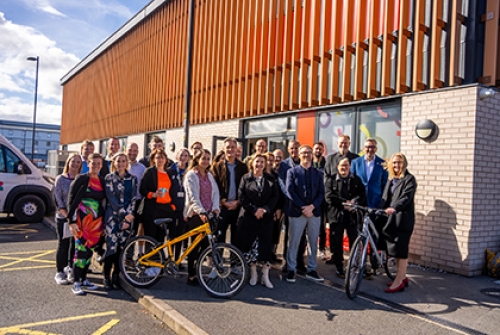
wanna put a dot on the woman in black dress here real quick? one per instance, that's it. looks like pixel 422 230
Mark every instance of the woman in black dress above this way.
pixel 398 201
pixel 258 194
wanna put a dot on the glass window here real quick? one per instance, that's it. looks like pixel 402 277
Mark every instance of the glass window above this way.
pixel 270 125
pixel 49 135
pixel 2 159
pixel 382 122
pixel 335 123
pixel 11 161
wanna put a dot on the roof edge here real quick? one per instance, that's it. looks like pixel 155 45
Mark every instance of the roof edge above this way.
pixel 128 26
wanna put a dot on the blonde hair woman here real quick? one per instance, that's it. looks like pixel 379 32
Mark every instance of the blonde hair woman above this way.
pixel 399 204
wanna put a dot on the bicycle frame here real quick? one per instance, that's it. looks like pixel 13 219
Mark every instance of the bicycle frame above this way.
pixel 367 233
pixel 200 232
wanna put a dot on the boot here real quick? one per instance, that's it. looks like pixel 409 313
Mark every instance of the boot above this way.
pixel 253 274
pixel 108 286
pixel 116 280
pixel 265 277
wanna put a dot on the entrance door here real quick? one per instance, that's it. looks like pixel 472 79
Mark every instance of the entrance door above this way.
pixel 218 144
pixel 280 142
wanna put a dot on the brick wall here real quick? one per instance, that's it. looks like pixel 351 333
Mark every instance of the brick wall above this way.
pixel 454 178
pixel 204 133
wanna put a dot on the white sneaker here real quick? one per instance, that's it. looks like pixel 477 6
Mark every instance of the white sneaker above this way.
pixel 86 284
pixel 69 274
pixel 322 255
pixel 61 279
pixel 77 289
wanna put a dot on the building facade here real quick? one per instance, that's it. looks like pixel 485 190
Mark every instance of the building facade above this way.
pixel 312 70
pixel 21 134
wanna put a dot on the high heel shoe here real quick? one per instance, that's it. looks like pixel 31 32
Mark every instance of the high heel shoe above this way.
pixel 406 281
pixel 400 288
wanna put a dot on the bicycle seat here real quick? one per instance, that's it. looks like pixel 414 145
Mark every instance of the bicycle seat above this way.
pixel 159 222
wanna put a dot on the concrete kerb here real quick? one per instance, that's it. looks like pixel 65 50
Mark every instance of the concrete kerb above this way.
pixel 164 312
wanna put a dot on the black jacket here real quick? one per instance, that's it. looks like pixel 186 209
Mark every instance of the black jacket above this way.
pixel 333 191
pixel 221 177
pixel 251 198
pixel 149 183
pixel 333 160
pixel 402 201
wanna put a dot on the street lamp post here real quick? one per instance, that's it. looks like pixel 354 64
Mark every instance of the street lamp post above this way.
pixel 37 60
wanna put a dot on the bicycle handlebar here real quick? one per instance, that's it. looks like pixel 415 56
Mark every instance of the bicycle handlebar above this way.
pixel 376 211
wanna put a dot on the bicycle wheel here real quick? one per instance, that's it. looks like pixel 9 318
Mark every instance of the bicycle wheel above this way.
pixel 222 273
pixel 391 268
pixel 136 274
pixel 355 267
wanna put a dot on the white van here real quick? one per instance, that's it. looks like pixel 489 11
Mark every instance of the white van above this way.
pixel 25 191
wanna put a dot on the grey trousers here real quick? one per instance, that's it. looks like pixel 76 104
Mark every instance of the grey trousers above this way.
pixel 295 230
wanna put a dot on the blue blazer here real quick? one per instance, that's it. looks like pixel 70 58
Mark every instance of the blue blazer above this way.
pixel 375 185
pixel 296 191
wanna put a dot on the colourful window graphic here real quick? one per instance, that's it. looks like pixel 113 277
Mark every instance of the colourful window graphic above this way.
pixel 1 186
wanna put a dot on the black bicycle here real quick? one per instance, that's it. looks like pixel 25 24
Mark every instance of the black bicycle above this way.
pixel 357 259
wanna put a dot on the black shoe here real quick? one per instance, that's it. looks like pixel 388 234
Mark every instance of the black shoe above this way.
pixel 340 273
pixel 301 270
pixel 108 286
pixel 116 281
pixel 193 282
pixel 313 275
pixel 284 269
pixel 290 277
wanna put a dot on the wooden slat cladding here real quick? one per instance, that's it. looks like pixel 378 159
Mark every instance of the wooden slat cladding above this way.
pixel 256 57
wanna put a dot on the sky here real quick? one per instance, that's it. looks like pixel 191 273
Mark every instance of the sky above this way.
pixel 61 33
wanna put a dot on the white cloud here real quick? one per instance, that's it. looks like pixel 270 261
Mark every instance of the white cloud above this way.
pixel 51 10
pixel 15 109
pixel 17 75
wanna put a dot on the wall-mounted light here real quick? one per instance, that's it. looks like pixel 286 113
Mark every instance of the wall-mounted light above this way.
pixel 486 93
pixel 172 146
pixel 426 130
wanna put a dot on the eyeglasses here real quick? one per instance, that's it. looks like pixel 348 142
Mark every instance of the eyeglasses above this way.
pixel 370 147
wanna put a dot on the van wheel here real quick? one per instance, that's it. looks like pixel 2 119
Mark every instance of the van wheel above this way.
pixel 29 209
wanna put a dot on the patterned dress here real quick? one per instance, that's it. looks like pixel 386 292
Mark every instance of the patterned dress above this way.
pixel 89 221
pixel 121 195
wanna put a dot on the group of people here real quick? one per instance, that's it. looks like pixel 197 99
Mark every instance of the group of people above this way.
pixel 102 199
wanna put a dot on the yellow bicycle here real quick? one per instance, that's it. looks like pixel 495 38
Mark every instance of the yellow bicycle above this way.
pixel 221 268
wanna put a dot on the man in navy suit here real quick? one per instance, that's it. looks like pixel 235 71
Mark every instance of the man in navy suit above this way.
pixel 370 168
pixel 306 192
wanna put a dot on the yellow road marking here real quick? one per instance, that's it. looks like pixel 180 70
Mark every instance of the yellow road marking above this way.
pixel 19 227
pixel 28 268
pixel 5 330
pixel 26 331
pixel 17 258
pixel 32 258
pixel 106 327
pixel 22 252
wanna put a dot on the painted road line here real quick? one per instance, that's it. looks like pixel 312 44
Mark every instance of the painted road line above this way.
pixel 106 327
pixel 29 259
pixel 28 268
pixel 6 330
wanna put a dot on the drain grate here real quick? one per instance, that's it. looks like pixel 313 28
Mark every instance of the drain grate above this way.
pixel 492 292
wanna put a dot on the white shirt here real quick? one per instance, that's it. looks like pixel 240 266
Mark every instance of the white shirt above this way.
pixel 369 165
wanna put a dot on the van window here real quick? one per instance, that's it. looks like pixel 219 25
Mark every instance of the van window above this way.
pixel 8 160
